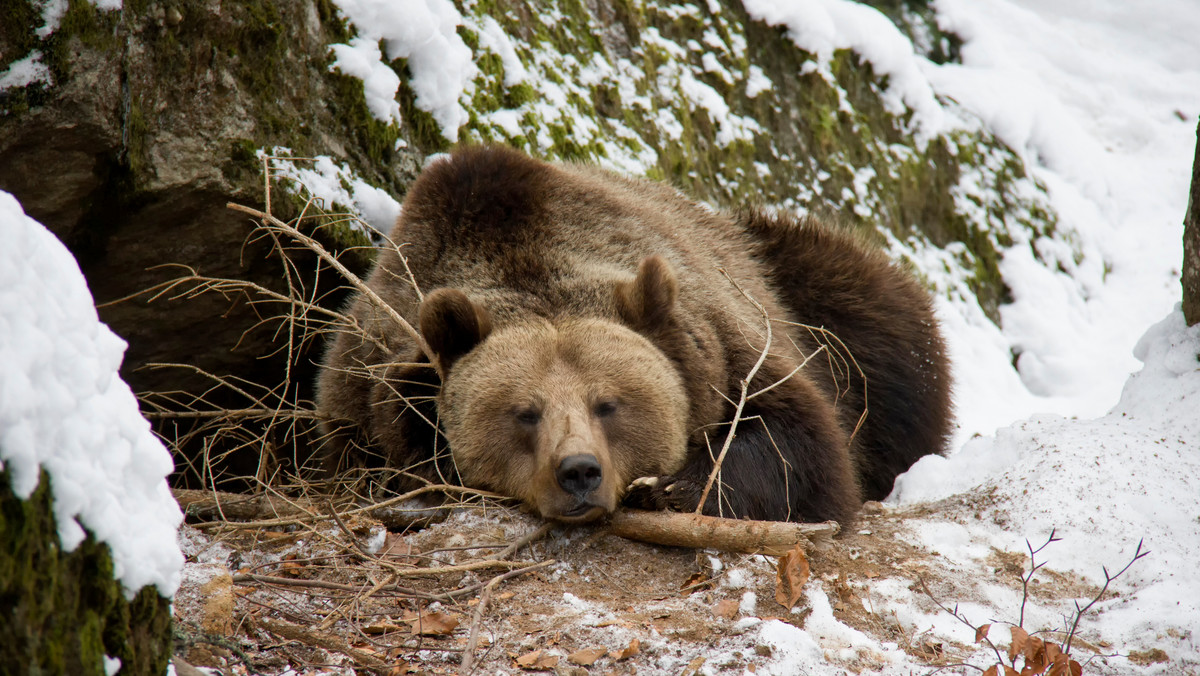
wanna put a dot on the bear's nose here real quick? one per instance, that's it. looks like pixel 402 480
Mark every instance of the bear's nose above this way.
pixel 579 474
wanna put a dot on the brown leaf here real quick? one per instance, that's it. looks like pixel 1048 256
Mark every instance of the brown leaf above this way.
pixel 696 582
pixel 1019 636
pixel 1034 651
pixel 1076 670
pixel 434 624
pixel 586 657
pixel 537 660
pixel 1054 654
pixel 992 671
pixel 1009 671
pixel 982 632
pixel 693 667
pixel 791 573
pixel 728 609
pixel 634 647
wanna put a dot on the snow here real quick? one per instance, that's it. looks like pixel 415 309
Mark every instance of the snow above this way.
pixel 1101 101
pixel 334 183
pixel 26 71
pixel 362 59
pixel 822 27
pixel 29 69
pixel 425 32
pixel 64 409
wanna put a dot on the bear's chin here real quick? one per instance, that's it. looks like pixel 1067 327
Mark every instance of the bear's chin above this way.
pixel 581 514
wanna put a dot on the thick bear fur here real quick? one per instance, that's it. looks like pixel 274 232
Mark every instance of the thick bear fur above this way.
pixel 590 330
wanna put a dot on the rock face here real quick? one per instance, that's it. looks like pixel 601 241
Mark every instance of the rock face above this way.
pixel 154 114
pixel 1191 245
pixel 63 612
pixel 147 131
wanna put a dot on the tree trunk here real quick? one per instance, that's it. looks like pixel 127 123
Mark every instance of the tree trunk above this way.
pixel 1191 245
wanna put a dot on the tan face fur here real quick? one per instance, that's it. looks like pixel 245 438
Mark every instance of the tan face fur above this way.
pixel 535 394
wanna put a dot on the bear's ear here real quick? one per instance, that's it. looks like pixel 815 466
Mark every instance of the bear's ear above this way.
pixel 646 302
pixel 452 325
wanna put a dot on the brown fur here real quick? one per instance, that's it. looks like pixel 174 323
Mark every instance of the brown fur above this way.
pixel 579 314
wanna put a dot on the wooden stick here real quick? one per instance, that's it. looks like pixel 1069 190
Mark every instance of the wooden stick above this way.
pixel 208 504
pixel 266 511
pixel 306 636
pixel 468 660
pixel 711 532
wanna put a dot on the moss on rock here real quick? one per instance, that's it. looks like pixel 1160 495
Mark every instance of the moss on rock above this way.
pixel 63 611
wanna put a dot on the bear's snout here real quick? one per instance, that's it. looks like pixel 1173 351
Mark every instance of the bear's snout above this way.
pixel 579 474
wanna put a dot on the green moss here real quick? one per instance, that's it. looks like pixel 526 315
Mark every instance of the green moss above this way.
pixel 21 19
pixel 519 95
pixel 422 129
pixel 63 611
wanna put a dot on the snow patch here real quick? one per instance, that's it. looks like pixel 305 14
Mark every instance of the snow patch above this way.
pixel 335 183
pixel 65 409
pixel 26 71
pixel 425 32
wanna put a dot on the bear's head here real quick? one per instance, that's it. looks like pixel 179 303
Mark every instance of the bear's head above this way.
pixel 562 413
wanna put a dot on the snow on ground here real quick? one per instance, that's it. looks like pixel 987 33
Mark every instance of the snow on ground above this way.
pixel 64 408
pixel 1101 99
pixel 1102 485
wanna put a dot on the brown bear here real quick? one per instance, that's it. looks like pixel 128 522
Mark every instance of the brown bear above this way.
pixel 589 330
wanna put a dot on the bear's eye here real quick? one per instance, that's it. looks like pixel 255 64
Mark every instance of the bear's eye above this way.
pixel 529 416
pixel 605 408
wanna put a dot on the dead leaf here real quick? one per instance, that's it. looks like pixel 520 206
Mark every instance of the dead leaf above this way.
pixel 693 667
pixel 1034 650
pixel 586 657
pixel 1009 671
pixel 696 582
pixel 1064 666
pixel 505 596
pixel 727 609
pixel 791 573
pixel 537 660
pixel 1019 636
pixel 397 548
pixel 433 624
pixel 992 671
pixel 982 632
pixel 634 647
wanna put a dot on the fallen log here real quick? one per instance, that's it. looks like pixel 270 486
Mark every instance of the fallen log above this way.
pixel 711 532
pixel 662 528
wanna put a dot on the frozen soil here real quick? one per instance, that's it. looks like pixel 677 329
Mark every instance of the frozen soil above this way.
pixel 606 605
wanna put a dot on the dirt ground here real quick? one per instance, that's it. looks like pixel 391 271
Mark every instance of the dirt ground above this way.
pixel 349 597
